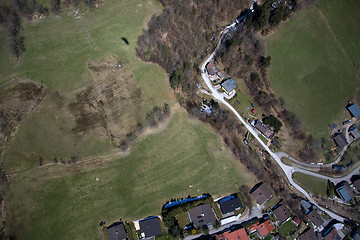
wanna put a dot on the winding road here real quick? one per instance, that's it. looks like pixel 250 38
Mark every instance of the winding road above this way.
pixel 288 170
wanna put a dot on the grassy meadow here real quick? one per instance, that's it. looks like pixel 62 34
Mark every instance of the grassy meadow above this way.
pixel 311 184
pixel 58 49
pixel 315 62
pixel 67 202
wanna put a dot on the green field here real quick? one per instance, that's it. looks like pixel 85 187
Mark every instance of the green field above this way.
pixel 66 202
pixel 58 49
pixel 315 62
pixel 311 184
pixel 286 227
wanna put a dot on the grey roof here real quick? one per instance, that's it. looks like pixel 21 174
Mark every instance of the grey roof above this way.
pixel 261 194
pixel 305 205
pixel 116 231
pixel 201 215
pixel 308 235
pixel 315 218
pixel 282 213
pixel 211 68
pixel 229 85
pixel 355 132
pixel 357 184
pixel 340 140
pixel 345 192
pixel 263 128
pixel 230 205
pixel 221 75
pixel 150 226
pixel 354 110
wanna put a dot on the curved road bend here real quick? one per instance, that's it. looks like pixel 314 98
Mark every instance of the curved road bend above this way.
pixel 288 170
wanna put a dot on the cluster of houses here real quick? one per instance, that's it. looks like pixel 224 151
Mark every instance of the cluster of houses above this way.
pixel 267 226
pixel 339 139
pixel 228 84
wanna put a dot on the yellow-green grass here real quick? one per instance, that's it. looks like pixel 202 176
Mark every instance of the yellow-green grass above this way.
pixel 286 228
pixel 311 184
pixel 66 202
pixel 315 62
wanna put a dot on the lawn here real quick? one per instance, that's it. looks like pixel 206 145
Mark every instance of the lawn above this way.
pixel 67 202
pixel 311 184
pixel 315 62
pixel 286 227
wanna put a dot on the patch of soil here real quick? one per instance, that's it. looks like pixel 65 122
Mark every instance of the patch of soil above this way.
pixel 111 102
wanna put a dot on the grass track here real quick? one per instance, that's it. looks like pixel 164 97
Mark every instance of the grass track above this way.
pixel 60 202
pixel 311 184
pixel 315 62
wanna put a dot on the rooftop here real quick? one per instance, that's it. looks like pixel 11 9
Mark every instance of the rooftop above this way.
pixel 201 215
pixel 282 213
pixel 332 235
pixel 345 192
pixel 211 68
pixel 315 218
pixel 239 234
pixel 308 235
pixel 357 184
pixel 356 133
pixel 117 231
pixel 262 229
pixel 340 140
pixel 150 226
pixel 230 205
pixel 263 128
pixel 229 85
pixel 261 193
pixel 354 110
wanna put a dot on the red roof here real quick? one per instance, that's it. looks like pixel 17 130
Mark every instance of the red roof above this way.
pixel 253 111
pixel 262 229
pixel 239 234
pixel 296 220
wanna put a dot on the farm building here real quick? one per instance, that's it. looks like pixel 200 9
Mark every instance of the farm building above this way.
pixel 340 140
pixel 354 110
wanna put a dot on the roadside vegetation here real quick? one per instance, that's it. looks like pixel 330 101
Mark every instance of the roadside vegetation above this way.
pixel 311 184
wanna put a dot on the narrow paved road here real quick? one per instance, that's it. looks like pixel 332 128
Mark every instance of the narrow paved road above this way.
pixel 288 170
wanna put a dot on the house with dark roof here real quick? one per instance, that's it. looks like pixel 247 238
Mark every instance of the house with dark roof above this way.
pixel 345 192
pixel 331 234
pixel 261 193
pixel 308 235
pixel 315 218
pixel 262 229
pixel 150 227
pixel 355 133
pixel 263 129
pixel 340 140
pixel 229 86
pixel 116 231
pixel 239 234
pixel 221 75
pixel 201 215
pixel 282 213
pixel 230 204
pixel 354 110
pixel 356 184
